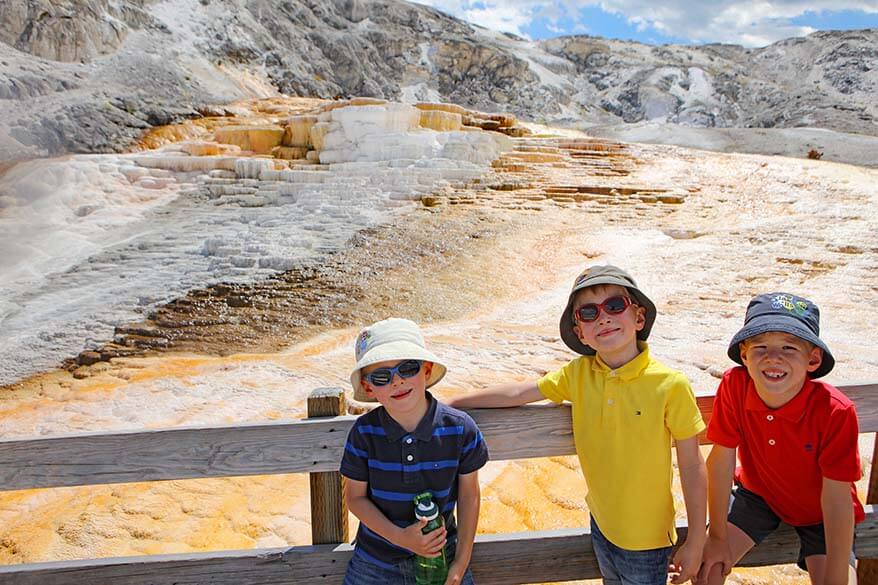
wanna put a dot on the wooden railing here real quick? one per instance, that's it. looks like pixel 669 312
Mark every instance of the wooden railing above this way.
pixel 315 446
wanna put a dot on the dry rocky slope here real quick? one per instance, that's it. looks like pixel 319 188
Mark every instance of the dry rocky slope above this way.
pixel 92 75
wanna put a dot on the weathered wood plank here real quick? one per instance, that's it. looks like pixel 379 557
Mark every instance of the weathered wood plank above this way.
pixel 498 559
pixel 307 564
pixel 329 512
pixel 865 397
pixel 869 568
pixel 253 449
pixel 537 430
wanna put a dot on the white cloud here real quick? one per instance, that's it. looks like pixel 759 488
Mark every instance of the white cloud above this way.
pixel 745 22
pixel 503 16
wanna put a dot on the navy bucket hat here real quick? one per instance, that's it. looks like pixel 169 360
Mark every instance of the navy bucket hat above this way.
pixel 786 313
pixel 593 276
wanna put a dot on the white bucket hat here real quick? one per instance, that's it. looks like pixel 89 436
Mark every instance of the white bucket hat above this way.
pixel 391 340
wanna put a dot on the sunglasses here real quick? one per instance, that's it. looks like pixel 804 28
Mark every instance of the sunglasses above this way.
pixel 384 376
pixel 612 306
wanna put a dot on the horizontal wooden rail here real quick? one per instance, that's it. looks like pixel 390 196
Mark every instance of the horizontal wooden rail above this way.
pixel 498 559
pixel 305 446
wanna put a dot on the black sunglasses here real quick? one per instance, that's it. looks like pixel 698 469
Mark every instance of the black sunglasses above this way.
pixel 612 306
pixel 384 376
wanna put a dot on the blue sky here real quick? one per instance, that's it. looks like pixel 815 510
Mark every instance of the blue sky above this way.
pixel 751 23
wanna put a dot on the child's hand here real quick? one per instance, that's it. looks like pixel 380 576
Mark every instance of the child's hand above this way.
pixel 427 545
pixel 686 562
pixel 716 554
pixel 455 573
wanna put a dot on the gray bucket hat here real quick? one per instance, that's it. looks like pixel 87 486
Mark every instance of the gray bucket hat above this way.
pixel 786 313
pixel 391 340
pixel 603 274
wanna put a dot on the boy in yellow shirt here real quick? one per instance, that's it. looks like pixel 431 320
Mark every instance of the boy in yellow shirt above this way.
pixel 627 407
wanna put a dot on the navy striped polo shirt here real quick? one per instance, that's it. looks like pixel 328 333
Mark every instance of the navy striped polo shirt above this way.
pixel 399 465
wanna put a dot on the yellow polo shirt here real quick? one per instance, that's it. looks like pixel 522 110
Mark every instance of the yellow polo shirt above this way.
pixel 623 422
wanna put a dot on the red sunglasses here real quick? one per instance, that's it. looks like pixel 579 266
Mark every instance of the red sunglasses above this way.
pixel 612 306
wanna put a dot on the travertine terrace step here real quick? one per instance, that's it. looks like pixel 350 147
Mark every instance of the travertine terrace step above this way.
pixel 537 148
pixel 603 190
pixel 535 157
pixel 589 144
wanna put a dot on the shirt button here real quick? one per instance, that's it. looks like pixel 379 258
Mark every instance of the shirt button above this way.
pixel 610 401
pixel 409 440
pixel 410 457
pixel 770 417
pixel 771 441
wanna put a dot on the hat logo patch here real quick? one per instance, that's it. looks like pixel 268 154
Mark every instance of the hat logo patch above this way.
pixel 791 304
pixel 363 342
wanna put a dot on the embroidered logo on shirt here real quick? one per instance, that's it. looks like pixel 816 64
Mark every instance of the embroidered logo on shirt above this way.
pixel 637 412
pixel 809 447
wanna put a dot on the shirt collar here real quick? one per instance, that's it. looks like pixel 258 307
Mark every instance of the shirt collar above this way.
pixel 629 371
pixel 424 430
pixel 793 410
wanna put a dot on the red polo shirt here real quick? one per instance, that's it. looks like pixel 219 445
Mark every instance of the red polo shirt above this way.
pixel 786 452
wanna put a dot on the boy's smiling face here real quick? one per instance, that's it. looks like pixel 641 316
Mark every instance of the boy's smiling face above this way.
pixel 402 397
pixel 779 364
pixel 613 337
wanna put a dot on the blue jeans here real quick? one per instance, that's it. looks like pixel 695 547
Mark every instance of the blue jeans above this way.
pixel 621 566
pixel 363 572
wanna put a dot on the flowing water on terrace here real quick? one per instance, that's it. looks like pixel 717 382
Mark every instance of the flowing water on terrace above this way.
pixel 485 271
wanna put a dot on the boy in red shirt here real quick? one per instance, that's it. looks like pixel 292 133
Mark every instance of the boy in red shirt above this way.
pixel 796 439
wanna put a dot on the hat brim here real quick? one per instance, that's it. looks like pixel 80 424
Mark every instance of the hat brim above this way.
pixel 773 322
pixel 396 351
pixel 568 335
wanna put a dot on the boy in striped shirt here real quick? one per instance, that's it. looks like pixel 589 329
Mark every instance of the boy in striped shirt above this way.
pixel 412 443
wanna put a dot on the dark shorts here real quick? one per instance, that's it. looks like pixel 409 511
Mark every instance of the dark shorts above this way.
pixel 756 519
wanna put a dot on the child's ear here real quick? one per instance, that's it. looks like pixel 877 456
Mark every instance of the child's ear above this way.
pixel 742 351
pixel 428 369
pixel 815 358
pixel 365 386
pixel 577 330
pixel 640 318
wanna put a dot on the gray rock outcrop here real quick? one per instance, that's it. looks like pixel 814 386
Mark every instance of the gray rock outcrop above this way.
pixel 92 75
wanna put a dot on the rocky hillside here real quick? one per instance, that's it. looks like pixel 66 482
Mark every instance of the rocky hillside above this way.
pixel 91 75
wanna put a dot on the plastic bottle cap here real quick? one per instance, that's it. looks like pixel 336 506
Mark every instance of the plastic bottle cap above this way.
pixel 428 510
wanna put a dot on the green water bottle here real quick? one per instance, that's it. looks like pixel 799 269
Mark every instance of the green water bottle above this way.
pixel 429 571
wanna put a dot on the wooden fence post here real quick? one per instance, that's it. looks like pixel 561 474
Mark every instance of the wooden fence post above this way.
pixel 867 569
pixel 329 513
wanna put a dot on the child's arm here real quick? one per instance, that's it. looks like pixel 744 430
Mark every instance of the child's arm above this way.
pixel 499 396
pixel 693 479
pixel 468 501
pixel 411 538
pixel 838 525
pixel 720 474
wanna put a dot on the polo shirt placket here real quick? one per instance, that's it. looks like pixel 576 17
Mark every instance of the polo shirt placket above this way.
pixel 617 401
pixel 777 427
pixel 407 443
pixel 608 404
pixel 409 458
